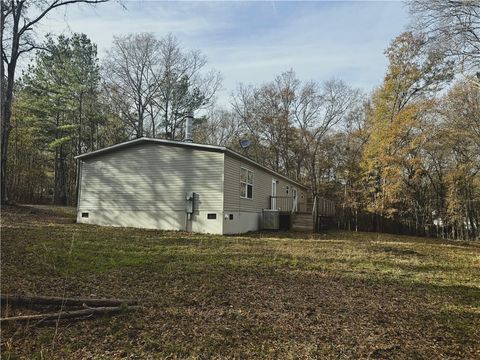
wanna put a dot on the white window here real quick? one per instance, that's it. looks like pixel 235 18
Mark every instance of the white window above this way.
pixel 246 183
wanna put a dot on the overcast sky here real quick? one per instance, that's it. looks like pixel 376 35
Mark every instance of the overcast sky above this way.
pixel 251 42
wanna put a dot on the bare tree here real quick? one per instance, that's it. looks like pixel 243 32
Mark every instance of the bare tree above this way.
pixel 221 127
pixel 131 72
pixel 155 83
pixel 288 120
pixel 453 27
pixel 18 20
pixel 184 88
pixel 318 109
pixel 267 113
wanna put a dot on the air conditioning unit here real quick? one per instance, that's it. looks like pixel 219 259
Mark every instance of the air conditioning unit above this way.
pixel 271 219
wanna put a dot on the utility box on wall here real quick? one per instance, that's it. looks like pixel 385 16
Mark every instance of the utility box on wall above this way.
pixel 190 202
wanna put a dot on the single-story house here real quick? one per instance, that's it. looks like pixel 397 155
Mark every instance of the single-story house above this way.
pixel 172 185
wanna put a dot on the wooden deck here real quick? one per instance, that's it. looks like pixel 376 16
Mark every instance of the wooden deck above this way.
pixel 314 215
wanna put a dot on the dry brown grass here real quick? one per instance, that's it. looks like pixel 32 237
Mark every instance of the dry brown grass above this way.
pixel 263 295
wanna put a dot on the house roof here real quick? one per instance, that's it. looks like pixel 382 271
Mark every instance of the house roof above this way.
pixel 203 147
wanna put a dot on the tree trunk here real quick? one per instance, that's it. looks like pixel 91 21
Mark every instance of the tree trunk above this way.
pixel 6 128
pixel 7 104
pixel 3 191
pixel 2 68
pixel 63 178
pixel 79 148
pixel 140 117
pixel 60 196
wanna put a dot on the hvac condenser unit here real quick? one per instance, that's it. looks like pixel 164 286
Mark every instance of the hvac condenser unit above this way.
pixel 271 219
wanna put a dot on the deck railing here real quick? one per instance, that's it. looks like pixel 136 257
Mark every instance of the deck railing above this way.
pixel 282 203
pixel 318 206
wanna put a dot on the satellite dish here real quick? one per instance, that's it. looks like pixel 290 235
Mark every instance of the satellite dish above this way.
pixel 244 143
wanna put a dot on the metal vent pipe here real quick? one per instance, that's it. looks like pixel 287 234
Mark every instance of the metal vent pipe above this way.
pixel 188 128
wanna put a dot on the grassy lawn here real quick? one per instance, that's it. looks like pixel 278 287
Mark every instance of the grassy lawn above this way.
pixel 265 295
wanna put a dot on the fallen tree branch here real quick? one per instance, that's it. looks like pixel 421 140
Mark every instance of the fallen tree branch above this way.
pixel 49 300
pixel 69 314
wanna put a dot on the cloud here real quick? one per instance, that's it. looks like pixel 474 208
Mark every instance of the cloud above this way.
pixel 343 41
pixel 251 42
pixel 102 22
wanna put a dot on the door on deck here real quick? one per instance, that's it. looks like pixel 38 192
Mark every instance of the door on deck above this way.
pixel 273 205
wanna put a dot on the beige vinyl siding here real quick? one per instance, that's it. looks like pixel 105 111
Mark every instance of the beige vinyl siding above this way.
pixel 152 180
pixel 262 187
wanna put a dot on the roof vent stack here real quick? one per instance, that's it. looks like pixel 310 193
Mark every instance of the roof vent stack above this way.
pixel 188 128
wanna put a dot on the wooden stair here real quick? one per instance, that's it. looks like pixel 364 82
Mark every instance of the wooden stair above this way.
pixel 302 221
